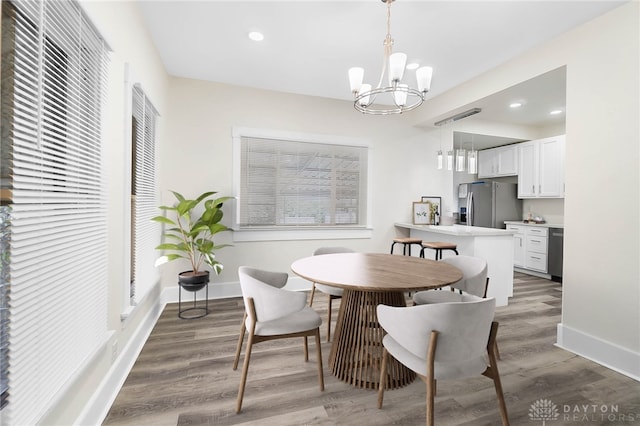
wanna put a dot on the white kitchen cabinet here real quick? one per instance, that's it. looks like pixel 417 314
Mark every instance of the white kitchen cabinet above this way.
pixel 501 161
pixel 536 244
pixel 530 247
pixel 541 168
pixel 518 244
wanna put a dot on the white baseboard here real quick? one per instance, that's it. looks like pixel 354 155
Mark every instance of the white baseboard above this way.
pixel 530 272
pixel 608 354
pixel 100 403
pixel 226 290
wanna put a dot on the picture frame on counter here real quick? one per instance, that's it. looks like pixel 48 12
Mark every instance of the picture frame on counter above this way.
pixel 427 211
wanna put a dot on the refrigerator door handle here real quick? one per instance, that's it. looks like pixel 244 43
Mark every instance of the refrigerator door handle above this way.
pixel 470 209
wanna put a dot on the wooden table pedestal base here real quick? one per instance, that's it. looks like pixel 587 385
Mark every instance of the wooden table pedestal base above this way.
pixel 356 352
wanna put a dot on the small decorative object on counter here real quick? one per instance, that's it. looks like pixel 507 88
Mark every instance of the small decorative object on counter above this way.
pixel 531 218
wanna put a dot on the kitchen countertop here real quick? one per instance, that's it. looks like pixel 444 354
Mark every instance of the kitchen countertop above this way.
pixel 546 225
pixel 458 230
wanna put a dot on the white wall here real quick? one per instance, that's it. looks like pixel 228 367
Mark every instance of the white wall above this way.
pixel 198 152
pixel 601 292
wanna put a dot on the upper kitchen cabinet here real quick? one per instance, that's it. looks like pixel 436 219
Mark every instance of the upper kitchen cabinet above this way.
pixel 541 168
pixel 501 161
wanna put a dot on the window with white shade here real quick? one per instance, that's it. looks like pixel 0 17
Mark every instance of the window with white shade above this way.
pixel 145 234
pixel 290 181
pixel 54 230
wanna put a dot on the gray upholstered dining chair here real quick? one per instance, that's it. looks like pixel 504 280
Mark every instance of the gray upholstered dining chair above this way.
pixel 274 279
pixel 275 313
pixel 332 292
pixel 474 281
pixel 442 341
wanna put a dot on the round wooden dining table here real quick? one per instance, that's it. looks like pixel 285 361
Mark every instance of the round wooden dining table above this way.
pixel 370 279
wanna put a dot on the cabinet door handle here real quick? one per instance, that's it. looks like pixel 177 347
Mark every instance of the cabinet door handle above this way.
pixel 533 189
pixel 536 258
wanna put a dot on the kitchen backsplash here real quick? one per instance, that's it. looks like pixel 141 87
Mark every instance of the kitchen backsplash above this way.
pixel 551 209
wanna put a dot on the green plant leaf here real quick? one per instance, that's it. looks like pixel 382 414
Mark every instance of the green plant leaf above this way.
pixel 178 196
pixel 163 219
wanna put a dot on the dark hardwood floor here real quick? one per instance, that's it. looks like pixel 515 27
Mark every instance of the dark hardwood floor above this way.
pixel 184 377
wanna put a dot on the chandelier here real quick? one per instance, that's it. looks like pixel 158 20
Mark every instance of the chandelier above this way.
pixel 397 97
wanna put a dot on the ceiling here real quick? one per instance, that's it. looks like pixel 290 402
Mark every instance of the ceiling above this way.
pixel 310 45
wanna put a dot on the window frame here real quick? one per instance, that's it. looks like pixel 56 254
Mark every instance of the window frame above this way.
pixel 275 232
pixel 129 302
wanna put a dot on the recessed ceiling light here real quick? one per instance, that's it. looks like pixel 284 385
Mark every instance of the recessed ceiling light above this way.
pixel 413 66
pixel 256 36
pixel 556 112
pixel 515 105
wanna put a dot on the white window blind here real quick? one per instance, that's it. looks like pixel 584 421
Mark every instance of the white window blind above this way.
pixel 58 234
pixel 296 183
pixel 144 206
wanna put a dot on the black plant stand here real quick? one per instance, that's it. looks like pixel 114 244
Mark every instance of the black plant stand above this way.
pixel 199 310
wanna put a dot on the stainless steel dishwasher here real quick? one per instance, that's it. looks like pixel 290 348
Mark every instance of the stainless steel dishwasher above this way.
pixel 556 238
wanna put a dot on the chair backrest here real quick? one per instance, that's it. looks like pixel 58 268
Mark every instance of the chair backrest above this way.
pixel 274 279
pixel 463 328
pixel 332 250
pixel 474 274
pixel 270 301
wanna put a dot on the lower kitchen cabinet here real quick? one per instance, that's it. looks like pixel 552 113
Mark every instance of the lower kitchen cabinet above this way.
pixel 518 244
pixel 530 246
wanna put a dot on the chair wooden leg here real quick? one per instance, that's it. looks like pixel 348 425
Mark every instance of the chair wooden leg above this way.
pixel 306 349
pixel 313 292
pixel 245 370
pixel 240 339
pixel 493 373
pixel 329 320
pixel 431 392
pixel 383 374
pixel 319 355
pixel 430 378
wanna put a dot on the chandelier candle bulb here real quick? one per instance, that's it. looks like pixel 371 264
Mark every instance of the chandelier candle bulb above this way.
pixel 397 62
pixel 423 77
pixel 364 88
pixel 356 75
pixel 400 96
pixel 440 160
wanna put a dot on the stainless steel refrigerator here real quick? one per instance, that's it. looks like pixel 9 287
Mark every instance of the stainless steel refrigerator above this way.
pixel 489 204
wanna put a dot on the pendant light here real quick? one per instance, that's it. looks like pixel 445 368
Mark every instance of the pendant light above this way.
pixel 461 159
pixel 440 159
pixel 472 160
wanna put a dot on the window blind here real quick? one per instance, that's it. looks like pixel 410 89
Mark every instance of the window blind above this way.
pixel 58 234
pixel 144 206
pixel 287 183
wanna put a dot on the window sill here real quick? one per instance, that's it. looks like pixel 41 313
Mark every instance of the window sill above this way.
pixel 299 233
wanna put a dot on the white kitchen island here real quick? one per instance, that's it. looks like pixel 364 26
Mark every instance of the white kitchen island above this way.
pixel 493 245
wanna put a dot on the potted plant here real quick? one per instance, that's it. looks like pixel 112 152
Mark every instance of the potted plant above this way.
pixel 189 236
